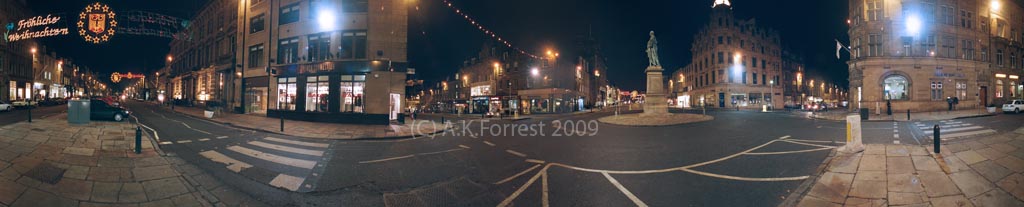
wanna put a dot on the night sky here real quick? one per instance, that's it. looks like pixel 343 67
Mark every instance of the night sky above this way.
pixel 440 40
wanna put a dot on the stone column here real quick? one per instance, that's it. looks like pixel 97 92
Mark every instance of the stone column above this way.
pixel 655 103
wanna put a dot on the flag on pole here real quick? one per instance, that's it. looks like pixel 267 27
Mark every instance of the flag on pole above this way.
pixel 839 46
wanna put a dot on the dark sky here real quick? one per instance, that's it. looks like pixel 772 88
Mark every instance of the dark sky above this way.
pixel 440 40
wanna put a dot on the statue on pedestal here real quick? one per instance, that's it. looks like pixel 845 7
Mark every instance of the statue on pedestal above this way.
pixel 652 51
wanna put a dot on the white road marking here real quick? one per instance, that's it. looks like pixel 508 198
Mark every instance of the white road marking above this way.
pixel 819 141
pixel 535 161
pixel 630 195
pixel 289 182
pixel 964 134
pixel 204 139
pixel 184 141
pixel 299 163
pixel 515 153
pixel 544 190
pixel 317 153
pixel 744 178
pixel 222 137
pixel 787 152
pixel 944 130
pixel 489 143
pixel 232 164
pixel 510 178
pixel 813 145
pixel 166 143
pixel 308 144
pixel 509 199
pixel 784 137
pixel 409 156
pixel 464 146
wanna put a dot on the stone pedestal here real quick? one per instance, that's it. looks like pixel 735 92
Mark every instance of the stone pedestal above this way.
pixel 655 103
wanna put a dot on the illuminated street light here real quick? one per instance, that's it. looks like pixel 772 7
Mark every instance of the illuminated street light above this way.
pixel 33 50
pixel 535 71
pixel 170 59
pixel 995 5
pixel 913 25
pixel 326 19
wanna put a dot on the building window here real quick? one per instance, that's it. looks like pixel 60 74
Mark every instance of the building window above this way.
pixel 928 44
pixel 256 24
pixel 948 15
pixel 999 88
pixel 764 79
pixel 754 77
pixel 320 47
pixel 317 93
pixel 288 51
pixel 721 58
pixel 256 56
pixel 355 5
pixel 907 41
pixel 754 62
pixel 289 14
pixel 949 47
pixel 937 90
pixel 352 93
pixel 744 77
pixel 721 40
pixel 895 87
pixel 286 93
pixel 874 10
pixel 763 64
pixel 1013 60
pixel 967 46
pixel 254 2
pixel 961 90
pixel 874 45
pixel 999 57
pixel 966 19
pixel 353 45
pixel 984 54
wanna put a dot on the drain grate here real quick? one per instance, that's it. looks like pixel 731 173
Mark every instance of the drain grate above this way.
pixel 46 172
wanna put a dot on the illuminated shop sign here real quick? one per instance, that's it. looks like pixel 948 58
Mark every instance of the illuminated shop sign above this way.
pixel 96 23
pixel 480 91
pixel 30 28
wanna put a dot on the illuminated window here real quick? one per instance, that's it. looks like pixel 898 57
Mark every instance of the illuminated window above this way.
pixel 317 93
pixel 286 93
pixel 961 89
pixel 874 10
pixel 999 88
pixel 352 93
pixel 937 90
pixel 895 87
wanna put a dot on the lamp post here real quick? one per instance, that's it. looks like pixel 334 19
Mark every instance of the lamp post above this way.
pixel 771 93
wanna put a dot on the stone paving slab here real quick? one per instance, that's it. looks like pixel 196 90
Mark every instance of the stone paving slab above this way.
pixel 56 164
pixel 983 171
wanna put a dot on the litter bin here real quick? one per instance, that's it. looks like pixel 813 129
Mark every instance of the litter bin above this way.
pixel 401 118
pixel 78 112
pixel 864 114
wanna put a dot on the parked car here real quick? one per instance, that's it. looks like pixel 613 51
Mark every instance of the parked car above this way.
pixel 1013 106
pixel 24 103
pixel 100 110
pixel 4 106
pixel 52 102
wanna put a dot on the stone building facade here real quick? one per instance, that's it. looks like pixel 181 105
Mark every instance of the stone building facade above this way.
pixel 736 64
pixel 323 60
pixel 16 58
pixel 917 54
pixel 201 60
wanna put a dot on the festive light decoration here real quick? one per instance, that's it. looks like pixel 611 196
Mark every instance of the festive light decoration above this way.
pixel 152 24
pixel 100 21
pixel 25 28
pixel 487 31
pixel 116 77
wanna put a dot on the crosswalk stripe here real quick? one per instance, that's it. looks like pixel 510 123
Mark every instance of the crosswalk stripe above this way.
pixel 964 134
pixel 222 137
pixel 166 143
pixel 232 164
pixel 317 153
pixel 204 139
pixel 184 141
pixel 953 129
pixel 308 144
pixel 300 163
pixel 289 182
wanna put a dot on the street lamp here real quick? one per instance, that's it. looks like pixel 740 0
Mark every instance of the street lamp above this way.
pixel 994 5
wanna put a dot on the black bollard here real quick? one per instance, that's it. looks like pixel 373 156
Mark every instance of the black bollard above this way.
pixel 282 122
pixel 908 114
pixel 138 140
pixel 937 138
pixel 442 119
pixel 30 113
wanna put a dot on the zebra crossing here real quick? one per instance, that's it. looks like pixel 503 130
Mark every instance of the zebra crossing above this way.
pixel 953 129
pixel 285 163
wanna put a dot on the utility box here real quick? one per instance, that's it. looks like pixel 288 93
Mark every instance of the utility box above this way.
pixel 864 114
pixel 78 111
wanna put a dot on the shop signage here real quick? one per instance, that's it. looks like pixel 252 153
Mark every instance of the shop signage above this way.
pixel 940 74
pixel 29 28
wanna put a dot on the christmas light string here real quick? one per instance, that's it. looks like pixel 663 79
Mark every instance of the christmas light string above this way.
pixel 487 31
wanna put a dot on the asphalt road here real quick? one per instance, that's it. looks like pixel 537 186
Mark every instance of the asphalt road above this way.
pixel 738 159
pixel 17 115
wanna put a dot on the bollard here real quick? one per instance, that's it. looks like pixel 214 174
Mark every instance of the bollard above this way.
pixel 30 113
pixel 908 114
pixel 937 138
pixel 138 140
pixel 854 141
pixel 442 119
pixel 282 122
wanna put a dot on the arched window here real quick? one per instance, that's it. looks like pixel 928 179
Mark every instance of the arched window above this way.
pixel 895 87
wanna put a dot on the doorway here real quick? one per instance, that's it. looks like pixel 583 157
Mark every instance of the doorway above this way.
pixel 256 100
pixel 983 96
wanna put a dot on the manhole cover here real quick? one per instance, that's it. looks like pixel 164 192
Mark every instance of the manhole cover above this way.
pixel 47 173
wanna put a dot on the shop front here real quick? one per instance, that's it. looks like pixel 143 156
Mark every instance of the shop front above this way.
pixel 337 94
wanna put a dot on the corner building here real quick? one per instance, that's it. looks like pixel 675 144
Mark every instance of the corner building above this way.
pixel 340 61
pixel 916 54
pixel 736 64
